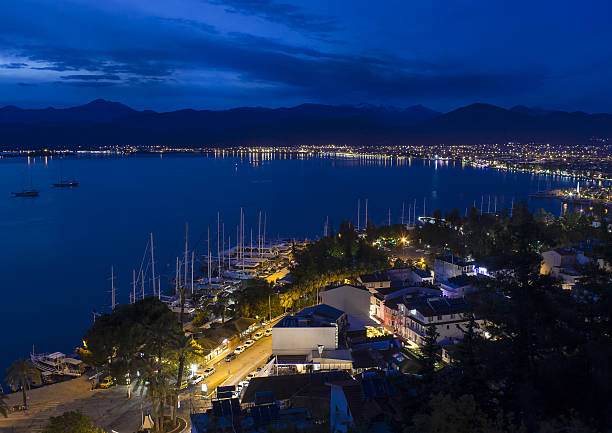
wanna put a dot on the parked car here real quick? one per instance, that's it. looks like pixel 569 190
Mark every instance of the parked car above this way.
pixel 209 371
pixel 243 384
pixel 107 382
pixel 268 332
pixel 195 379
pixel 248 343
pixel 239 350
pixel 251 375
pixel 257 335
pixel 231 357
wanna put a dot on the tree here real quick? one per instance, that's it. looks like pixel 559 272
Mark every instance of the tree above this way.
pixel 429 351
pixel 182 347
pixel 460 415
pixel 22 374
pixel 115 339
pixel 3 405
pixel 71 422
pixel 153 385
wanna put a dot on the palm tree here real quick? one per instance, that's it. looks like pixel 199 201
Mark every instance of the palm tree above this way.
pixel 182 347
pixel 221 305
pixel 22 374
pixel 153 384
pixel 3 406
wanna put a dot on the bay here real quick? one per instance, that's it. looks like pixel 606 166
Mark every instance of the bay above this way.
pixel 56 250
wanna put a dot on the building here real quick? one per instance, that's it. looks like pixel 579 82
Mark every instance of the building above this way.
pixel 415 314
pixel 458 287
pixel 376 280
pixel 380 312
pixel 449 266
pixel 308 330
pixel 353 300
pixel 421 276
pixel 405 276
pixel 560 263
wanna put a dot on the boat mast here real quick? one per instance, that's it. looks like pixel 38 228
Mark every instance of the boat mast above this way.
pixel 186 247
pixel 403 204
pixel 152 265
pixel 358 212
pixel 133 286
pixel 264 233
pixel 112 288
pixel 176 279
pixel 259 233
pixel 366 215
pixel 209 269
pixel 192 260
pixel 218 246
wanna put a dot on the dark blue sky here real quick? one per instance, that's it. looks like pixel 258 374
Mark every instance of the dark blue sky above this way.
pixel 165 55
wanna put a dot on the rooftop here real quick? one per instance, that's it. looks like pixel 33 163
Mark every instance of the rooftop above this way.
pixel 439 306
pixel 322 311
pixel 284 387
pixel 460 281
pixel 374 277
pixel 449 258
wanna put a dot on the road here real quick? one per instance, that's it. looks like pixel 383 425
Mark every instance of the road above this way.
pixel 230 373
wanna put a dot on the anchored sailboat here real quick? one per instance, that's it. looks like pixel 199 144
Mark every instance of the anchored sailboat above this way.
pixel 65 183
pixel 29 192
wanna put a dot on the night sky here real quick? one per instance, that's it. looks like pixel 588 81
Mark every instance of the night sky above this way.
pixel 164 55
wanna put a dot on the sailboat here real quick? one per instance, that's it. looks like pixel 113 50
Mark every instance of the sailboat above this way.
pixel 31 192
pixel 65 183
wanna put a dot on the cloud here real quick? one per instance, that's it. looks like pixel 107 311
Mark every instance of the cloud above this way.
pixel 13 65
pixel 91 77
pixel 27 84
pixel 287 14
pixel 137 51
pixel 87 83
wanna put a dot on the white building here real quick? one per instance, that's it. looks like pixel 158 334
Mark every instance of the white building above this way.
pixel 354 301
pixel 446 314
pixel 308 330
pixel 449 266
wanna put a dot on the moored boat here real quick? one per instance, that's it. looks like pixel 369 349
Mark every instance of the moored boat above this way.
pixel 26 193
pixel 57 363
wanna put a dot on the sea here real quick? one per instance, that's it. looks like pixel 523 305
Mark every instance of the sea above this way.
pixel 57 250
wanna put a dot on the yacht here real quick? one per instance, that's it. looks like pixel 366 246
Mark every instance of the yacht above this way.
pixel 57 363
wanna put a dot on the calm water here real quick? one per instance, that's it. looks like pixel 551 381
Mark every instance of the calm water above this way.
pixel 56 250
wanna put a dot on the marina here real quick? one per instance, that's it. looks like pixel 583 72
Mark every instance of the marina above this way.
pixel 152 194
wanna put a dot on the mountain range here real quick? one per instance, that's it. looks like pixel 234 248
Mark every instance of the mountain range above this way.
pixel 101 122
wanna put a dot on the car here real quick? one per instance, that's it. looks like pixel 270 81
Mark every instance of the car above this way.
pixel 248 343
pixel 239 350
pixel 107 382
pixel 257 335
pixel 195 379
pixel 251 375
pixel 243 384
pixel 268 332
pixel 209 371
pixel 231 357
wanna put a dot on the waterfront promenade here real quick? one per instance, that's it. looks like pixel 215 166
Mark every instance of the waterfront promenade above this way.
pixel 107 408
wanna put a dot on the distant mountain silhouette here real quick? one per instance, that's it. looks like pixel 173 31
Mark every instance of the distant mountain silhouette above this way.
pixel 110 123
pixel 96 111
